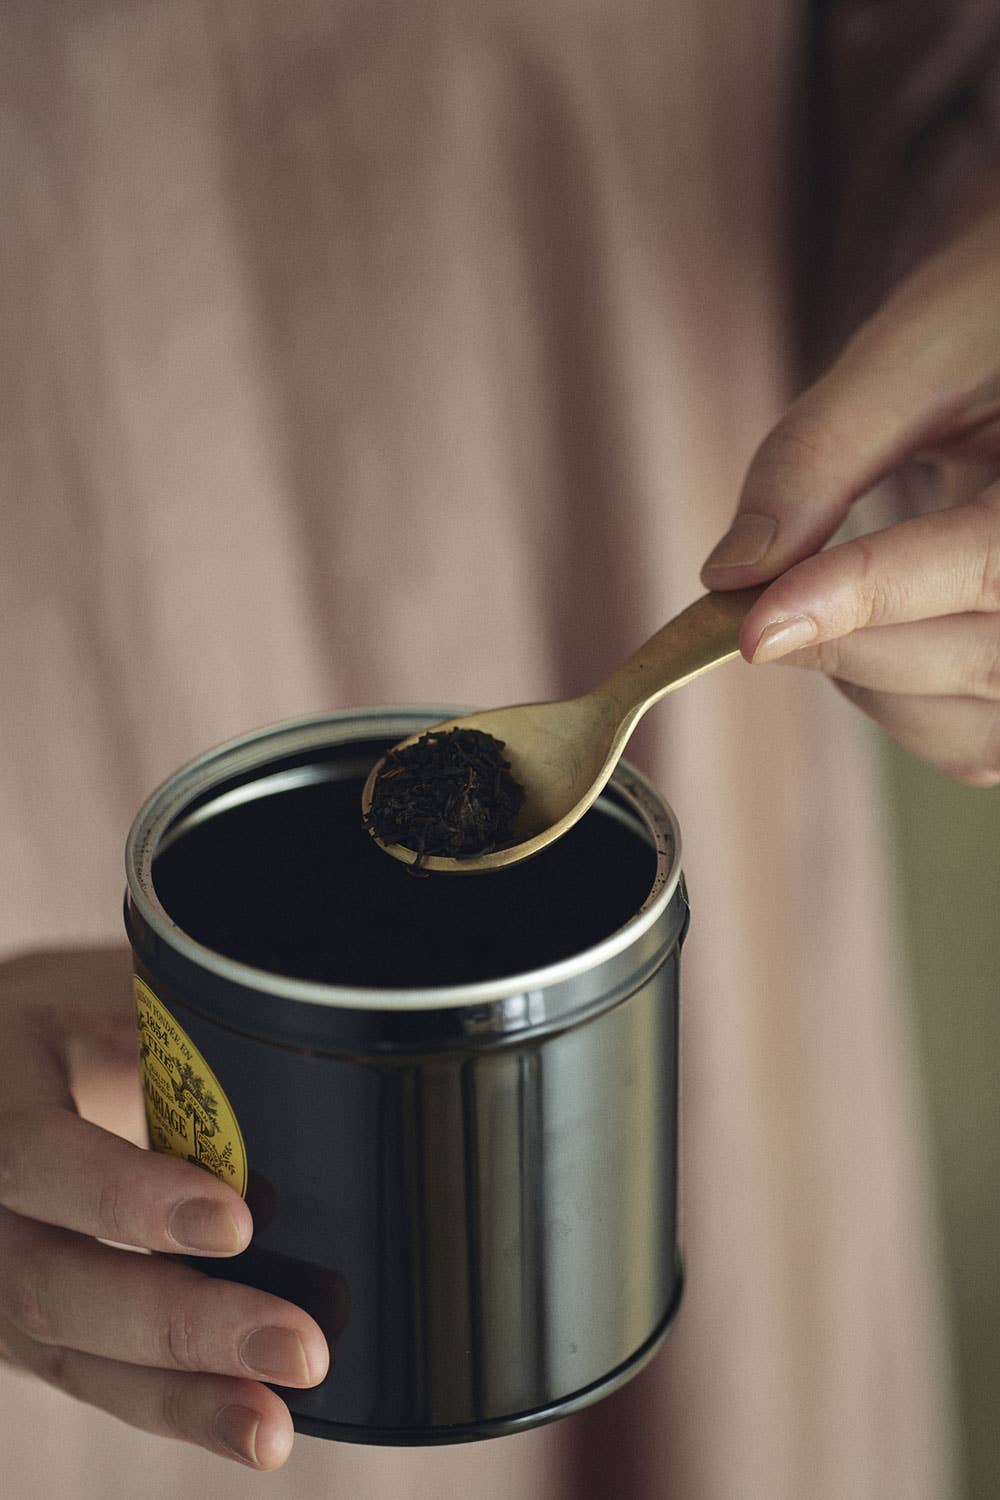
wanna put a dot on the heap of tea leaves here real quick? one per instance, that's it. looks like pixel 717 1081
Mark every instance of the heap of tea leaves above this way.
pixel 450 793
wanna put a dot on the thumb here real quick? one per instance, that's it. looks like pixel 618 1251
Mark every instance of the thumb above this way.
pixel 802 482
pixel 919 372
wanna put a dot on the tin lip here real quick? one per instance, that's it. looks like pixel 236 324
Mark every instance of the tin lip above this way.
pixel 252 751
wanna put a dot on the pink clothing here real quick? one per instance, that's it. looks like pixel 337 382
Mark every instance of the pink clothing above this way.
pixel 341 343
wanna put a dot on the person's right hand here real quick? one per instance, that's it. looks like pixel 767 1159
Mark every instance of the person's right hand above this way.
pixel 145 1337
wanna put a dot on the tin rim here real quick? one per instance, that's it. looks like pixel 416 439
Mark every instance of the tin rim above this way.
pixel 293 737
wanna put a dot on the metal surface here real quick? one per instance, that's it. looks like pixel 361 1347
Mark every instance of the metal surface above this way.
pixel 564 753
pixel 472 1190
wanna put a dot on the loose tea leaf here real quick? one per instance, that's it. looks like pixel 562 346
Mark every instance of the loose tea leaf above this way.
pixel 450 793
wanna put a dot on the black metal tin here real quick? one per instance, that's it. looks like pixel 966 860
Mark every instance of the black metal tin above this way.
pixel 471 1185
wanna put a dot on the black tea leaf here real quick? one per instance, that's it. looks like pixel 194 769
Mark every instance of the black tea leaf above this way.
pixel 450 794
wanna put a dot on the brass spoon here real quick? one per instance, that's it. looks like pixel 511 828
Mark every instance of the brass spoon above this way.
pixel 563 753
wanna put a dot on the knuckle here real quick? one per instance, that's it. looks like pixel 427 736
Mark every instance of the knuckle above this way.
pixel 26 1300
pixel 183 1343
pixel 175 1415
pixel 831 657
pixel 876 597
pixel 112 1219
pixel 989 578
pixel 802 443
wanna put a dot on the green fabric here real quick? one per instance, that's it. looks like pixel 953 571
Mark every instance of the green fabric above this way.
pixel 948 842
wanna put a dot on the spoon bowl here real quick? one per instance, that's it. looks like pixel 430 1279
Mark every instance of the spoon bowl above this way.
pixel 564 752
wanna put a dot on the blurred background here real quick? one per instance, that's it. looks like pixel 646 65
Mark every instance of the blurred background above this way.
pixel 947 845
pixel 485 322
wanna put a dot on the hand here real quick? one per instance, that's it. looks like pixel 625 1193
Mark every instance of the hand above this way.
pixel 145 1337
pixel 905 620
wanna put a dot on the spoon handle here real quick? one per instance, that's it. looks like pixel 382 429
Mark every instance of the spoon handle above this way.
pixel 700 637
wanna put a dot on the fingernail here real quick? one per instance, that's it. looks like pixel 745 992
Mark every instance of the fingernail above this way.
pixel 204 1225
pixel 235 1427
pixel 784 636
pixel 744 543
pixel 276 1354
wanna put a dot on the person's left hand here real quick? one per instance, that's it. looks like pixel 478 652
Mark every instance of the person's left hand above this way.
pixel 906 620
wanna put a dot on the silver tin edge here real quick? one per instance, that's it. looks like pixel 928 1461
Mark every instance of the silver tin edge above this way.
pixel 292 737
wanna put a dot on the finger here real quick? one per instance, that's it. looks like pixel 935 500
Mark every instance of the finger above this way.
pixel 87 989
pixel 923 372
pixel 71 1036
pixel 955 656
pixel 57 1168
pixel 947 563
pixel 234 1418
pixel 61 1289
pixel 57 1000
pixel 960 736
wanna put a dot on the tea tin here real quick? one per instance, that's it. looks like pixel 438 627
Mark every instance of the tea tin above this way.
pixel 453 1116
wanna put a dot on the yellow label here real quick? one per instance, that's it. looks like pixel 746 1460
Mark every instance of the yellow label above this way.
pixel 186 1106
